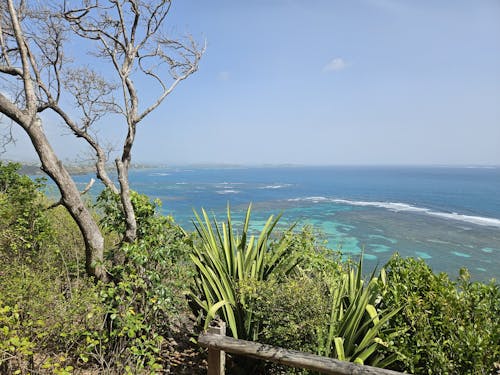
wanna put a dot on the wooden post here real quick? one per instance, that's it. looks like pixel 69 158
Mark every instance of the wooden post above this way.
pixel 217 357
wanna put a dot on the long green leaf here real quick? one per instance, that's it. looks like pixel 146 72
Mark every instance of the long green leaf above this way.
pixel 213 310
pixel 339 348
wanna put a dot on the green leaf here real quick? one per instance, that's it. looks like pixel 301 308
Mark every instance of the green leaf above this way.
pixel 339 348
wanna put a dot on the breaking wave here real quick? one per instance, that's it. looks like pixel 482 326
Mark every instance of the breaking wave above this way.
pixel 227 191
pixel 405 207
pixel 276 186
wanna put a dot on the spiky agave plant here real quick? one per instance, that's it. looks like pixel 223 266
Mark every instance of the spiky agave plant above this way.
pixel 223 258
pixel 353 330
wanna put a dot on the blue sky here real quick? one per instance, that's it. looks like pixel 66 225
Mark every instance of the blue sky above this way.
pixel 328 82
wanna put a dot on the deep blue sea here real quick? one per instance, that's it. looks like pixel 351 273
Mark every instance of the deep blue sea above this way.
pixel 449 216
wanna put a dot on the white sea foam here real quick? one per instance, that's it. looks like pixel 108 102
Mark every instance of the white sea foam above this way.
pixel 481 167
pixel 226 185
pixel 277 186
pixel 405 207
pixel 160 174
pixel 227 191
pixel 480 220
pixel 311 199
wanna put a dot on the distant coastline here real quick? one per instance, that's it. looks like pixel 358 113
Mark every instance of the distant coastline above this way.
pixel 33 168
pixel 75 169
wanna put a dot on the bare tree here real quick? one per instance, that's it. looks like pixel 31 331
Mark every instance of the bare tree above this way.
pixel 129 37
pixel 36 75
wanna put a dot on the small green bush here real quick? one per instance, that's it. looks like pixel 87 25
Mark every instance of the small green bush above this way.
pixel 24 228
pixel 49 313
pixel 337 316
pixel 290 312
pixel 53 318
pixel 147 293
pixel 15 345
pixel 450 327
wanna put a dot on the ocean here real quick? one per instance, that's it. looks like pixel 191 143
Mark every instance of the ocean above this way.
pixel 448 216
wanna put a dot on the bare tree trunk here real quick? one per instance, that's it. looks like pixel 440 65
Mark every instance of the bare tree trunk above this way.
pixel 72 200
pixel 128 209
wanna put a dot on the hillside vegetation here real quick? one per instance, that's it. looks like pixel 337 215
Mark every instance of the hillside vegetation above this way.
pixel 278 286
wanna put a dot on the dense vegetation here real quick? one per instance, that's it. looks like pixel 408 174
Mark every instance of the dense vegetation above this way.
pixel 281 287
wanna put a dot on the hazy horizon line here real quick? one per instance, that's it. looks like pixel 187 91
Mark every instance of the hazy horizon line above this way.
pixel 158 164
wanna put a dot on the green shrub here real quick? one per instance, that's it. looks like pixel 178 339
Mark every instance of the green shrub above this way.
pixel 450 328
pixel 24 229
pixel 157 262
pixel 126 342
pixel 54 318
pixel 15 345
pixel 49 313
pixel 146 212
pixel 46 302
pixel 147 293
pixel 336 315
pixel 290 312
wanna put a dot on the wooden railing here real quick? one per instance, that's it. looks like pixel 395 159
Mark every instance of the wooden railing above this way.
pixel 218 343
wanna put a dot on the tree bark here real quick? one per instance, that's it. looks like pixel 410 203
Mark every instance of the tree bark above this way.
pixel 72 200
pixel 128 209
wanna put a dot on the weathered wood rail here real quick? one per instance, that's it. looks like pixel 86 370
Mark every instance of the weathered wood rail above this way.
pixel 218 343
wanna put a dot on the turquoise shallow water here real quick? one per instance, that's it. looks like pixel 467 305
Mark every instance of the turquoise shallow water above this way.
pixel 446 245
pixel 448 216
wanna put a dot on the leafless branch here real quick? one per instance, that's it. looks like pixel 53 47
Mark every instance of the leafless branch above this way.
pixel 88 187
pixel 13 71
pixel 186 63
pixel 6 137
pixel 3 45
pixel 23 55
